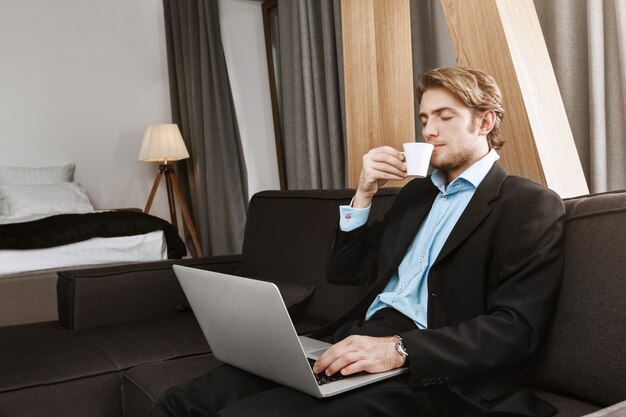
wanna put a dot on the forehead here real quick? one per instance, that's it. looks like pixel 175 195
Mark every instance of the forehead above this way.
pixel 438 98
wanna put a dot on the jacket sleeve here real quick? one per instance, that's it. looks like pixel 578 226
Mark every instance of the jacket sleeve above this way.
pixel 354 255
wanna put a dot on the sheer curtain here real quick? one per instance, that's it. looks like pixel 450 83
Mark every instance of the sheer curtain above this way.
pixel 587 44
pixel 202 106
pixel 312 88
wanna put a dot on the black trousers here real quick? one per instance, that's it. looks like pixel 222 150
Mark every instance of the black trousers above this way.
pixel 228 392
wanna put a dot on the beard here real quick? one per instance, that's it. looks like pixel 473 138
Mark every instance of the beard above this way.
pixel 450 163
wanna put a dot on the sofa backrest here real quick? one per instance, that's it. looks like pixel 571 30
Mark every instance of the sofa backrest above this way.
pixel 584 355
pixel 288 236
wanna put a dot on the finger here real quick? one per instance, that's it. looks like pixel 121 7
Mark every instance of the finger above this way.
pixel 321 364
pixel 342 362
pixel 345 352
pixel 381 168
pixel 330 355
pixel 396 159
pixel 374 168
pixel 380 177
pixel 356 367
pixel 386 149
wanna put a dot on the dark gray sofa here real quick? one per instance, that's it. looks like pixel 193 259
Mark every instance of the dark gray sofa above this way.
pixel 125 333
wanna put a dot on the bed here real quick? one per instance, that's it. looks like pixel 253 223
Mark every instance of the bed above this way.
pixel 47 223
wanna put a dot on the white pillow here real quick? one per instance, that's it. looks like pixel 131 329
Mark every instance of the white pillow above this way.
pixel 28 200
pixel 41 175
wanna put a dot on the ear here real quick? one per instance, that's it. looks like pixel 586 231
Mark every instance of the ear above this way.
pixel 487 122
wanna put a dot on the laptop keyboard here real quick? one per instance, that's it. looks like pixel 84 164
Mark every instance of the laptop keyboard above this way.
pixel 322 378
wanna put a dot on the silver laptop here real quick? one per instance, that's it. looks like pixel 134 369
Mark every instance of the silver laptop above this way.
pixel 247 325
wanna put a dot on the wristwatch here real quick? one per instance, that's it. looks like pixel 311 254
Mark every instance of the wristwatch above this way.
pixel 401 349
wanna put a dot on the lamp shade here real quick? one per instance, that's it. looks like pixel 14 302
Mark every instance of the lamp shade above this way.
pixel 162 143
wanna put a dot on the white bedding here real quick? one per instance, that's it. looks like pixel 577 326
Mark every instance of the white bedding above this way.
pixel 146 247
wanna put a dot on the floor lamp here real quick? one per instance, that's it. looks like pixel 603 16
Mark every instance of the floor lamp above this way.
pixel 164 144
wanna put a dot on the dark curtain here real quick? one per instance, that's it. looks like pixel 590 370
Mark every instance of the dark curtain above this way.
pixel 586 40
pixel 215 177
pixel 312 87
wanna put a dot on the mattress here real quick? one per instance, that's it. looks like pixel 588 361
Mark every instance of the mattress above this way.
pixel 94 251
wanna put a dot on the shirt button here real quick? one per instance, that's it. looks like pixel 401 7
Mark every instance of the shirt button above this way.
pixel 348 217
pixel 445 197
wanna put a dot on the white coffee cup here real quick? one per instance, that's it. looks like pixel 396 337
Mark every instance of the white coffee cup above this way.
pixel 417 158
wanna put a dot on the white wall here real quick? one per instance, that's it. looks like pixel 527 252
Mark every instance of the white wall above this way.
pixel 244 48
pixel 79 82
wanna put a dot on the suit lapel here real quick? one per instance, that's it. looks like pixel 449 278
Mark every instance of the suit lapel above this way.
pixel 476 211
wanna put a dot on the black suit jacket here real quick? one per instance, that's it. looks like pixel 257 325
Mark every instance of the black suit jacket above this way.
pixel 492 289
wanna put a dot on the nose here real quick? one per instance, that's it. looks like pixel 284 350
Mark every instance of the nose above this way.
pixel 429 130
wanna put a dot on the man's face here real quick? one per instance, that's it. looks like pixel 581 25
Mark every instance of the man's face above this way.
pixel 454 129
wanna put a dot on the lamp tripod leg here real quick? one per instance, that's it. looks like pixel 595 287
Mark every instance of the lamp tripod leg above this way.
pixel 186 217
pixel 155 187
pixel 169 173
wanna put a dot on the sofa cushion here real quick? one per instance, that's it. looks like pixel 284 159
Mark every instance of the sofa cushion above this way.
pixel 306 326
pixel 131 344
pixel 294 296
pixel 584 352
pixel 49 370
pixel 567 407
pixel 143 384
pixel 46 353
pixel 93 396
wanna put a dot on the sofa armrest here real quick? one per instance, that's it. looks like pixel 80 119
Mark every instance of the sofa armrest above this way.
pixel 616 410
pixel 100 296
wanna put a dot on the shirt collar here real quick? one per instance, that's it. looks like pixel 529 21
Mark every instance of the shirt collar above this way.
pixel 473 175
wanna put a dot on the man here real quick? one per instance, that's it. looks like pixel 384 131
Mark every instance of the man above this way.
pixel 465 271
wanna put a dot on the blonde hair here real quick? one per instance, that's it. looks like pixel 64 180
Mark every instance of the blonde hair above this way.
pixel 477 89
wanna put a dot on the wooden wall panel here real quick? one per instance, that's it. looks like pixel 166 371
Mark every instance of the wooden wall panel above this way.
pixel 378 75
pixel 504 38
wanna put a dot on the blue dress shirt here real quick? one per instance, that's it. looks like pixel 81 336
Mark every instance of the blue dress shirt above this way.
pixel 407 290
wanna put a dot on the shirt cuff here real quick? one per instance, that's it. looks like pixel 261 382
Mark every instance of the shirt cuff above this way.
pixel 351 218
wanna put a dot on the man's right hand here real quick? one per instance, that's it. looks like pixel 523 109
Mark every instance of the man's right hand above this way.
pixel 379 166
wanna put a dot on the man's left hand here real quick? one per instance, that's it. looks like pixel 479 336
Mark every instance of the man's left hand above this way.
pixel 360 353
